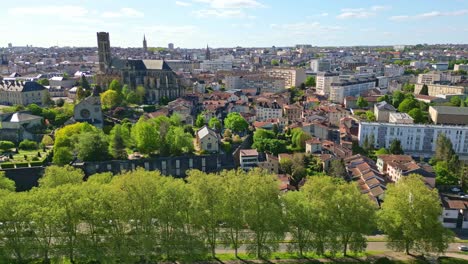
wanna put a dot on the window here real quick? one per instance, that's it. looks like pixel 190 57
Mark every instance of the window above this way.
pixel 208 146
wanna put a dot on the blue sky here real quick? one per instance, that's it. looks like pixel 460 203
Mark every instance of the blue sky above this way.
pixel 228 23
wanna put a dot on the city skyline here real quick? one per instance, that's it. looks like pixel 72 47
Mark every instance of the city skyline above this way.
pixel 229 23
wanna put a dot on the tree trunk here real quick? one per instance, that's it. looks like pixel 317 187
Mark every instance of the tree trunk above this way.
pixel 407 247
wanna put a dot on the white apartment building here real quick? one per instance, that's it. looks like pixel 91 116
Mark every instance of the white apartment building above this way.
pixel 339 90
pixel 416 139
pixel 439 89
pixel 324 81
pixel 248 158
pixel 320 65
pixel 432 77
pixel 292 77
pixel 418 64
pixel 216 65
pixel 266 111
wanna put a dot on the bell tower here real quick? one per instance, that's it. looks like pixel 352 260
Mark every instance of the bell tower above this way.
pixel 104 51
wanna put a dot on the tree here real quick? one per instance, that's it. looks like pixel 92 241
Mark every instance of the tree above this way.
pixel 200 121
pixel 179 141
pixel 444 148
pixel 337 169
pixel 274 62
pixel 263 213
pixel 298 138
pixel 409 88
pixel 132 98
pixel 92 146
pixel 55 176
pixel 145 136
pixel 215 124
pixel 382 151
pixel 370 116
pixel 396 148
pixel 410 217
pixel 362 102
pixel 235 122
pixel 43 82
pixel 424 90
pixel 455 101
pixel 205 197
pixel 115 86
pixel 117 143
pixel 407 104
pixel 141 92
pixel 110 99
pixel 397 98
pixel 6 184
pixel 62 156
pixel 298 209
pixel 310 81
pixel 60 102
pixel 294 167
pixel 84 82
pixel 6 145
pixel 80 94
pixel 417 115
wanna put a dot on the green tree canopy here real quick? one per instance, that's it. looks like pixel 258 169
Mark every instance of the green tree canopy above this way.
pixel 55 176
pixel 110 99
pixel 235 122
pixel 410 217
pixel 362 102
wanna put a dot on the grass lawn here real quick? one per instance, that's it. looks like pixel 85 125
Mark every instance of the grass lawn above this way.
pixel 291 256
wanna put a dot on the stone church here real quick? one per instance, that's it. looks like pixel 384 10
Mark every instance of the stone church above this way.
pixel 158 79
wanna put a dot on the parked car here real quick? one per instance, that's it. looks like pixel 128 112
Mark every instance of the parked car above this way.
pixel 463 248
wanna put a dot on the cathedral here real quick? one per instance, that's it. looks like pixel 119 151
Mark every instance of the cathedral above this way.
pixel 158 79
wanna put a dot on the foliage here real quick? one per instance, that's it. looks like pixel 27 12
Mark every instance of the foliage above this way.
pixel 215 124
pixel 6 145
pixel 145 136
pixel 117 143
pixel 417 115
pixel 424 90
pixel 28 145
pixel 370 116
pixel 409 88
pixel 274 62
pixel 115 86
pixel 92 146
pixel 43 82
pixel 382 151
pixel 397 98
pixel 362 102
pixel 410 217
pixel 6 184
pixel 235 122
pixel 110 99
pixel 338 169
pixel 455 101
pixel 200 121
pixel 396 148
pixel 298 138
pixel 407 104
pixel 56 176
pixel 310 81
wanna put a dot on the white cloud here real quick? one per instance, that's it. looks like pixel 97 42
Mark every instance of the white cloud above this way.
pixel 380 8
pixel 429 15
pixel 123 12
pixel 180 3
pixel 305 27
pixel 231 13
pixel 61 11
pixel 361 12
pixel 236 4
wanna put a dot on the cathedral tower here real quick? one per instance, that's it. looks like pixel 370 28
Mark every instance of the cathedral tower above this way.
pixel 145 46
pixel 207 54
pixel 104 51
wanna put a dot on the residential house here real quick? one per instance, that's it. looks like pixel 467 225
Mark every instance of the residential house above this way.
pixel 398 166
pixel 292 112
pixel 268 110
pixel 382 111
pixel 313 145
pixel 22 93
pixel 248 158
pixel 455 211
pixel 18 126
pixel 207 140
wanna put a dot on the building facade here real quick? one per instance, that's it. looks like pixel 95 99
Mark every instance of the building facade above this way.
pixel 339 90
pixel 416 139
pixel 292 77
pixel 324 81
pixel 449 115
pixel 22 93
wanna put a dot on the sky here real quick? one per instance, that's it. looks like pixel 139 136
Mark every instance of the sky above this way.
pixel 230 23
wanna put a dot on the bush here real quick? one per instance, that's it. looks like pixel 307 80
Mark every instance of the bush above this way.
pixel 7 165
pixel 149 108
pixel 226 146
pixel 6 145
pixel 36 163
pixel 22 165
pixel 28 145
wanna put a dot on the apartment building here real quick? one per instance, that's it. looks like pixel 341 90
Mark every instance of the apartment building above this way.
pixel 434 77
pixel 460 67
pixel 216 65
pixel 267 110
pixel 292 77
pixel 416 139
pixel 400 118
pixel 248 158
pixel 439 89
pixel 264 83
pixel 324 81
pixel 22 93
pixel 353 87
pixel 449 115
pixel 292 111
pixel 320 65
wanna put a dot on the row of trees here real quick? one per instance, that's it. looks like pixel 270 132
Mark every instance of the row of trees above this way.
pixel 143 216
pixel 117 95
pixel 161 135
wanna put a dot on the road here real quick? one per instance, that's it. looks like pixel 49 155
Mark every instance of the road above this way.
pixel 371 246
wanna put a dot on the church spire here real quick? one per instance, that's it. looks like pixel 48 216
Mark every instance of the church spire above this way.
pixel 207 54
pixel 145 46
